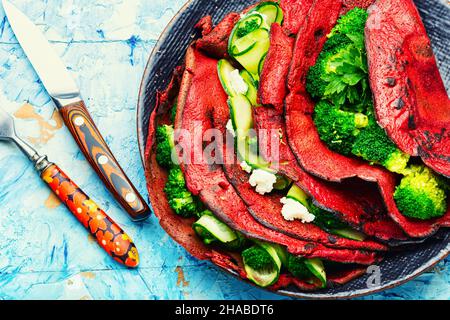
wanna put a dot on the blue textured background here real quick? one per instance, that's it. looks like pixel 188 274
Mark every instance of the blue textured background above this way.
pixel 44 252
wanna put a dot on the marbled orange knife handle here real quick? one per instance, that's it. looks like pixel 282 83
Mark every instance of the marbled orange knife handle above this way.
pixel 108 234
pixel 96 151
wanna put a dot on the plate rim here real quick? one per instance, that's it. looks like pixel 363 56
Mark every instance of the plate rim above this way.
pixel 443 254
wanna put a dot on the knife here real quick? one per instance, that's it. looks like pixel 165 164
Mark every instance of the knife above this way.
pixel 67 98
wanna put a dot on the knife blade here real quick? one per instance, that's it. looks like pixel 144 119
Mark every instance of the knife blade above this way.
pixel 65 93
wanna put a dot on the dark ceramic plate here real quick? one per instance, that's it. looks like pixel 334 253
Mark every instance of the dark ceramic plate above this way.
pixel 398 267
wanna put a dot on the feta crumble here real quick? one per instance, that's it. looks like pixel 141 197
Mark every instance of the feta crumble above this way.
pixel 237 82
pixel 263 181
pixel 292 209
pixel 245 166
pixel 230 128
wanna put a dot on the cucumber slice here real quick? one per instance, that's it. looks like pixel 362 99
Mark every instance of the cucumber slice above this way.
pixel 253 18
pixel 317 269
pixel 261 63
pixel 209 228
pixel 270 11
pixel 242 119
pixel 280 250
pixel 248 153
pixel 252 92
pixel 269 276
pixel 241 114
pixel 225 70
pixel 282 254
pixel 253 160
pixel 236 245
pixel 242 45
pixel 298 194
pixel 249 50
pixel 350 234
pixel 280 16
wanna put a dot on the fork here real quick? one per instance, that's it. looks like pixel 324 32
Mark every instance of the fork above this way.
pixel 108 234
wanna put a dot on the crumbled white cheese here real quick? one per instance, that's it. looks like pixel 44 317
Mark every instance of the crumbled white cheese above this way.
pixel 245 166
pixel 292 209
pixel 237 82
pixel 230 128
pixel 263 181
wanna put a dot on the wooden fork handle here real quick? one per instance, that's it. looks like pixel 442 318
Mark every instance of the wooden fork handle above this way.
pixel 96 151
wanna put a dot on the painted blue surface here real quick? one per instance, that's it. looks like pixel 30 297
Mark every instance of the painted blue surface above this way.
pixel 45 253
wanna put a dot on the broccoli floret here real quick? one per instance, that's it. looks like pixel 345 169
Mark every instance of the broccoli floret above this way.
pixel 397 162
pixel 340 72
pixel 373 145
pixel 175 180
pixel 340 77
pixel 205 235
pixel 247 27
pixel 346 78
pixel 361 120
pixel 419 194
pixel 353 22
pixel 165 144
pixel 184 204
pixel 337 128
pixel 324 219
pixel 180 199
pixel 315 84
pixel 296 266
pixel 335 43
pixel 257 258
